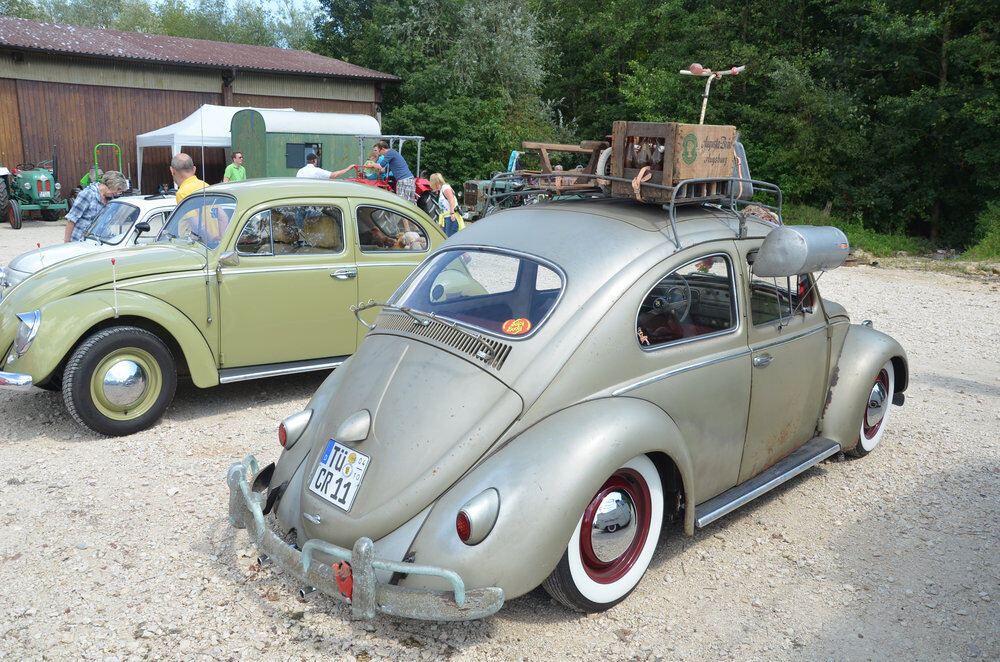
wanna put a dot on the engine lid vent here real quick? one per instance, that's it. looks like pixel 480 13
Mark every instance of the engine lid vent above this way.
pixel 445 334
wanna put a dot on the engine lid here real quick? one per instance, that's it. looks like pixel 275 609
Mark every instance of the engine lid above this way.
pixel 433 414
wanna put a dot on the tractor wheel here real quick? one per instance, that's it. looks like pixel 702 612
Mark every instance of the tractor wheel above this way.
pixel 4 197
pixel 14 214
pixel 427 202
pixel 51 214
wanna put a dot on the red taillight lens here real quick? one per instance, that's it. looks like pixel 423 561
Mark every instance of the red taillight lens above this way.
pixel 282 435
pixel 463 526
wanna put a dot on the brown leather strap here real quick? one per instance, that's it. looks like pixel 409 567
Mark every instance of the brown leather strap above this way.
pixel 643 176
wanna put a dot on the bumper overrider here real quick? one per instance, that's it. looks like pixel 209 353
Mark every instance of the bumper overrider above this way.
pixel 368 595
pixel 14 380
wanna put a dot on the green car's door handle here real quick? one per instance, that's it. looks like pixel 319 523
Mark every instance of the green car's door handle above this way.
pixel 344 274
pixel 762 361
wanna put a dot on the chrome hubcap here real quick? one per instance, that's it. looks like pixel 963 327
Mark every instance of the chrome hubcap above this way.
pixel 614 526
pixel 877 402
pixel 125 383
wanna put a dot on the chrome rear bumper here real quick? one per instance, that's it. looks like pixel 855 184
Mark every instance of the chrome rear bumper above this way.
pixel 14 380
pixel 369 595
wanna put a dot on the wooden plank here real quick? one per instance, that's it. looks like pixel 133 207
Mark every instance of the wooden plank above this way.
pixel 556 147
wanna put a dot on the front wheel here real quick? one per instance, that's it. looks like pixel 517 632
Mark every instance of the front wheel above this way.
pixel 51 214
pixel 14 214
pixel 876 413
pixel 603 563
pixel 119 381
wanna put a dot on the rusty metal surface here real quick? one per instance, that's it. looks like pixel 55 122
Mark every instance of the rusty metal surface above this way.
pixel 54 37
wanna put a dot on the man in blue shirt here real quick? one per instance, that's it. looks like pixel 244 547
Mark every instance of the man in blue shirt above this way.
pixel 90 203
pixel 406 184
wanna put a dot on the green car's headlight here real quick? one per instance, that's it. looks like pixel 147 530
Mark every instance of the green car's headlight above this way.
pixel 26 332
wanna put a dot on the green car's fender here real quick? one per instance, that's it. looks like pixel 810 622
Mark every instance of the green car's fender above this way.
pixel 862 355
pixel 545 477
pixel 67 320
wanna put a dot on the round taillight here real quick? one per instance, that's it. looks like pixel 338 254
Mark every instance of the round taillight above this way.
pixel 282 435
pixel 463 526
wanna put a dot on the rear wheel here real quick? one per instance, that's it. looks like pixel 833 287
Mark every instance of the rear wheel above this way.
pixel 876 413
pixel 427 203
pixel 4 197
pixel 603 563
pixel 119 381
pixel 14 214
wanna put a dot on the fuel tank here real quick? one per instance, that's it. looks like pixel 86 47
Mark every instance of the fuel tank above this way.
pixel 433 414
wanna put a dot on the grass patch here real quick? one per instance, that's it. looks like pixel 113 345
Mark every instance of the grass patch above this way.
pixel 876 243
pixel 988 233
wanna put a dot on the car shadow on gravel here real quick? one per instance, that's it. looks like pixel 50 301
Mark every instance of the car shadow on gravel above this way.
pixel 191 402
pixel 324 623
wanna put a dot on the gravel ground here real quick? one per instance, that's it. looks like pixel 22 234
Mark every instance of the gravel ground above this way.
pixel 121 548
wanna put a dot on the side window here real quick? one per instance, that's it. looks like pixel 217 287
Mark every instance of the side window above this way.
pixel 696 299
pixel 155 225
pixel 772 299
pixel 382 229
pixel 293 229
pixel 255 239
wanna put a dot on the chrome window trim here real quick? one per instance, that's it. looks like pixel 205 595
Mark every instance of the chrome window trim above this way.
pixel 676 371
pixel 715 334
pixel 781 341
pixel 357 233
pixel 490 249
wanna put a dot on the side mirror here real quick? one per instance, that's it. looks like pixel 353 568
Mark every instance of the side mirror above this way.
pixel 141 227
pixel 229 259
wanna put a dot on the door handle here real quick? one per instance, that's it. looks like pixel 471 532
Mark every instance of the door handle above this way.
pixel 762 361
pixel 344 274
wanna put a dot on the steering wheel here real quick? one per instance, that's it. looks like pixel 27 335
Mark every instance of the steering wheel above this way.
pixel 676 300
pixel 25 166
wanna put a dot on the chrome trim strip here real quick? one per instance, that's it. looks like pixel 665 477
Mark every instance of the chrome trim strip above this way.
pixel 14 380
pixel 387 264
pixel 229 375
pixel 789 339
pixel 676 371
pixel 808 455
pixel 156 279
pixel 263 270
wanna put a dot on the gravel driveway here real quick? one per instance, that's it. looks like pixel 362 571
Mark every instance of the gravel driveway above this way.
pixel 121 548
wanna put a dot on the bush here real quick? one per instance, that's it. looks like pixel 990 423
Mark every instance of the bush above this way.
pixel 987 234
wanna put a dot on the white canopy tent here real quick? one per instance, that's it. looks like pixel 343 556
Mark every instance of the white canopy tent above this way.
pixel 209 126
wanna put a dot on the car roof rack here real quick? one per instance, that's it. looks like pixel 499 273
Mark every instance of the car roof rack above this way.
pixel 689 192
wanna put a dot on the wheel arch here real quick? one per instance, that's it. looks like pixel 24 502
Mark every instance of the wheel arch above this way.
pixel 94 311
pixel 546 476
pixel 863 354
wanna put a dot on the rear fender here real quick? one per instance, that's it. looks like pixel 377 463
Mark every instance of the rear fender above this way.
pixel 65 321
pixel 545 476
pixel 864 352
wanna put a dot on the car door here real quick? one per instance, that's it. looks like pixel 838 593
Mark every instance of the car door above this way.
pixel 289 296
pixel 156 220
pixel 789 347
pixel 390 244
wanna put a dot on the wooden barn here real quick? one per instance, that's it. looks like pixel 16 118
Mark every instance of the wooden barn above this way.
pixel 73 87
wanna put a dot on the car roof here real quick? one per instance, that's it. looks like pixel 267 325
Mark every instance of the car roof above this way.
pixel 575 233
pixel 144 204
pixel 253 191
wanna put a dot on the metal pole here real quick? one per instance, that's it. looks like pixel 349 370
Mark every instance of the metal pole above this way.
pixel 704 100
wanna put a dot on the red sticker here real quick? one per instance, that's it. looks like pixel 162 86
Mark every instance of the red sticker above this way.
pixel 516 327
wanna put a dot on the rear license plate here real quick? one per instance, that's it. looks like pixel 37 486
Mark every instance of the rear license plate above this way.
pixel 339 474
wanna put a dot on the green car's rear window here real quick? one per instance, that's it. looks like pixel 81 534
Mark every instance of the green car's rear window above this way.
pixel 504 294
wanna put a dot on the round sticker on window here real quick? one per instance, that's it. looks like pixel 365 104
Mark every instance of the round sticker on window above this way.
pixel 516 327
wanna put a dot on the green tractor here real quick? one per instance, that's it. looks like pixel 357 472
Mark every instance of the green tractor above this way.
pixel 31 187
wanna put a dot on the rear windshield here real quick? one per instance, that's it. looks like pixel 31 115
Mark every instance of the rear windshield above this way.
pixel 507 295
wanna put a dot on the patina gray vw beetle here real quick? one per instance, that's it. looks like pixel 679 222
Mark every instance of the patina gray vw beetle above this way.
pixel 548 388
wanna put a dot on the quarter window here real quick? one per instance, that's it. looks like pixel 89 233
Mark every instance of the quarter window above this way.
pixel 293 229
pixel 382 229
pixel 696 299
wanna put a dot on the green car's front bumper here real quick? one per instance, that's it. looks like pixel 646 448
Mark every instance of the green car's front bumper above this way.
pixel 369 595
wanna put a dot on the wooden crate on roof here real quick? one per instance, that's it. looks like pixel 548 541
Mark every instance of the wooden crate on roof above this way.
pixel 672 152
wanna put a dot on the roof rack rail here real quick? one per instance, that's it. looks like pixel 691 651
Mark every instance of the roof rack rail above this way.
pixel 682 194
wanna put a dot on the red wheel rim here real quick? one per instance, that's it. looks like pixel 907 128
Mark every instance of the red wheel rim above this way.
pixel 871 429
pixel 607 572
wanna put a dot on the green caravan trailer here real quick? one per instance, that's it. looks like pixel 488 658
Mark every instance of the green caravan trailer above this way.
pixel 275 142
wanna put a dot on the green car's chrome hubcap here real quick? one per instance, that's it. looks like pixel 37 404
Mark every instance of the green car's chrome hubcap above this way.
pixel 126 384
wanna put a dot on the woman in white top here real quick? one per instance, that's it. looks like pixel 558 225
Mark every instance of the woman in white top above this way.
pixel 448 216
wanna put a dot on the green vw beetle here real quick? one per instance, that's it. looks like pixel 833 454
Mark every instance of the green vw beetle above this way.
pixel 246 280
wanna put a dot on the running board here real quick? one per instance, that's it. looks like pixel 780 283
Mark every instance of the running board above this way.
pixel 229 375
pixel 811 453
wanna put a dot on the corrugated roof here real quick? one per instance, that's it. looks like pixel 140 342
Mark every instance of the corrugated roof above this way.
pixel 47 37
